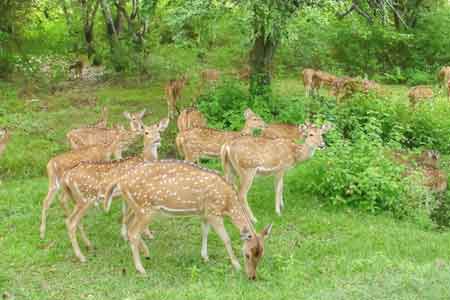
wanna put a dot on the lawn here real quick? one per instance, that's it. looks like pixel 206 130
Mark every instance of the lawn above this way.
pixel 314 251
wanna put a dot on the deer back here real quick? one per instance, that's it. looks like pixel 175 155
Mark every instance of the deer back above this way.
pixel 285 131
pixel 190 118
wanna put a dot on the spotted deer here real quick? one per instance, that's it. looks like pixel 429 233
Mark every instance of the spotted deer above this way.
pixel 308 83
pixel 77 67
pixel 60 164
pixel 88 136
pixel 419 93
pixel 323 79
pixel 196 143
pixel 173 93
pixel 4 139
pixel 209 76
pixel 177 188
pixel 248 157
pixel 190 118
pixel 84 182
pixel 444 75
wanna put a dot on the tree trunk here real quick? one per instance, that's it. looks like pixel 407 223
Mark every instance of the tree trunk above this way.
pixel 89 21
pixel 261 57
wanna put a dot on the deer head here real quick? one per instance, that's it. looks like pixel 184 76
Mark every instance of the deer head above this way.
pixel 252 121
pixel 152 138
pixel 135 119
pixel 314 134
pixel 253 249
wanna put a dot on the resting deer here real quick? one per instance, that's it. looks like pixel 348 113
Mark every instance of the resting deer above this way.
pixel 4 139
pixel 84 182
pixel 173 93
pixel 179 188
pixel 206 142
pixel 444 75
pixel 190 118
pixel 88 136
pixel 419 93
pixel 249 156
pixel 78 67
pixel 60 164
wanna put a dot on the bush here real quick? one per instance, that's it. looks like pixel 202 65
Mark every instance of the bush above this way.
pixel 358 174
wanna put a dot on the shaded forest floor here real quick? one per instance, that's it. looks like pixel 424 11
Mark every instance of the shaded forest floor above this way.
pixel 314 252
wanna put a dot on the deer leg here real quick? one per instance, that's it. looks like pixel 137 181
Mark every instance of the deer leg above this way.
pixel 246 183
pixel 72 223
pixel 205 231
pixel 118 154
pixel 217 224
pixel 134 236
pixel 125 218
pixel 52 189
pixel 279 192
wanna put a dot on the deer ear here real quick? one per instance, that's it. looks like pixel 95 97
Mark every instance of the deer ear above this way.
pixel 245 234
pixel 163 124
pixel 142 113
pixel 248 113
pixel 266 231
pixel 327 127
pixel 127 115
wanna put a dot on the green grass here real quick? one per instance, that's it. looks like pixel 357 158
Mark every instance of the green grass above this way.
pixel 314 252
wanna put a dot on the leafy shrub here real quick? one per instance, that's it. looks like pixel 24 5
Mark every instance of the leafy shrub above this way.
pixel 358 174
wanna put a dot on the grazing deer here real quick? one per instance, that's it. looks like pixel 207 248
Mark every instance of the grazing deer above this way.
pixel 88 136
pixel 190 118
pixel 84 182
pixel 173 92
pixel 206 142
pixel 179 188
pixel 250 156
pixel 4 139
pixel 419 93
pixel 321 79
pixel 78 67
pixel 444 75
pixel 60 164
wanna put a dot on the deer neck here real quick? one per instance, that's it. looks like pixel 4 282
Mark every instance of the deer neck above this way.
pixel 150 152
pixel 240 218
pixel 304 151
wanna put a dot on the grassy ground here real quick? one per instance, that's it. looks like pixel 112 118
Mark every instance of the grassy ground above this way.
pixel 313 253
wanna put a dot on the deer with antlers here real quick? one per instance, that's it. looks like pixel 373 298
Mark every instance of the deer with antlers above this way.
pixel 179 188
pixel 206 142
pixel 84 182
pixel 4 139
pixel 249 156
pixel 190 118
pixel 89 136
pixel 173 93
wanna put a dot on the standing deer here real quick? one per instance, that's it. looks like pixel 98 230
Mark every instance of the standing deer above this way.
pixel 60 164
pixel 419 93
pixel 444 75
pixel 321 79
pixel 173 93
pixel 206 142
pixel 190 118
pixel 249 156
pixel 448 89
pixel 78 67
pixel 84 182
pixel 308 83
pixel 179 188
pixel 4 139
pixel 88 136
